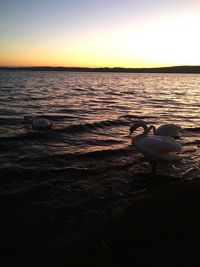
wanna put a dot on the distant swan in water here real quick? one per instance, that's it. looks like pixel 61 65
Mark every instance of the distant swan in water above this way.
pixel 38 123
pixel 170 129
pixel 155 148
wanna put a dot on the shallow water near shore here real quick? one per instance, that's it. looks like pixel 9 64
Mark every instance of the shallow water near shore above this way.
pixel 91 113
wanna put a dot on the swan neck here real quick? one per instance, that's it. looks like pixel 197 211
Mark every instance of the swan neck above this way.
pixel 145 132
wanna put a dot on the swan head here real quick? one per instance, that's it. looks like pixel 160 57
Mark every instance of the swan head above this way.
pixel 137 125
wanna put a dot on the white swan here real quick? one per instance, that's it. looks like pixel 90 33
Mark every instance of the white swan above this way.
pixel 170 129
pixel 38 123
pixel 156 148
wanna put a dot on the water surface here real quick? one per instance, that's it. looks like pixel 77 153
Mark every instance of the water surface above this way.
pixel 91 115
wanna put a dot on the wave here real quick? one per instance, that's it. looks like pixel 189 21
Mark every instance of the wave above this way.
pixel 131 117
pixel 95 125
pixel 82 156
pixel 121 121
pixel 191 129
pixel 77 129
pixel 63 166
pixel 69 129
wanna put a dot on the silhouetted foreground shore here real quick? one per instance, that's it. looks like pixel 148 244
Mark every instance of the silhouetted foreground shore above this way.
pixel 173 69
pixel 160 227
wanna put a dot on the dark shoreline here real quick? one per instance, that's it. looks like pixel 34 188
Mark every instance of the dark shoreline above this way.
pixel 159 227
pixel 173 69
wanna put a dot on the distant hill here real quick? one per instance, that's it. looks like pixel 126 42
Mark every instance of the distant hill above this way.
pixel 174 69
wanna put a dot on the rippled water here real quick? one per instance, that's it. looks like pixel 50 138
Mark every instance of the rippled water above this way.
pixel 91 115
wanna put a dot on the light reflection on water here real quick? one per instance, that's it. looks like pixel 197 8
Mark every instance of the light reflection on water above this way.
pixel 90 112
pixel 142 94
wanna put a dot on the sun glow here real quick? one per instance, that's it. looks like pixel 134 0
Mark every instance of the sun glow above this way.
pixel 161 40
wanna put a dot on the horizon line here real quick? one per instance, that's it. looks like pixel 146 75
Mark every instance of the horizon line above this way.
pixel 117 67
pixel 184 69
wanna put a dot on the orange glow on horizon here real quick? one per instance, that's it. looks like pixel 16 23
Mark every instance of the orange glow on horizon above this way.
pixel 158 41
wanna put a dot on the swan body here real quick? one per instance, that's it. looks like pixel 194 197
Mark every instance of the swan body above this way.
pixel 38 123
pixel 170 129
pixel 156 148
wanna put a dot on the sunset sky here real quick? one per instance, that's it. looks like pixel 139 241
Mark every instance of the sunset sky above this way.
pixel 99 33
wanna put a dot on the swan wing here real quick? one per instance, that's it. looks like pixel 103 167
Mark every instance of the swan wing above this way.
pixel 157 145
